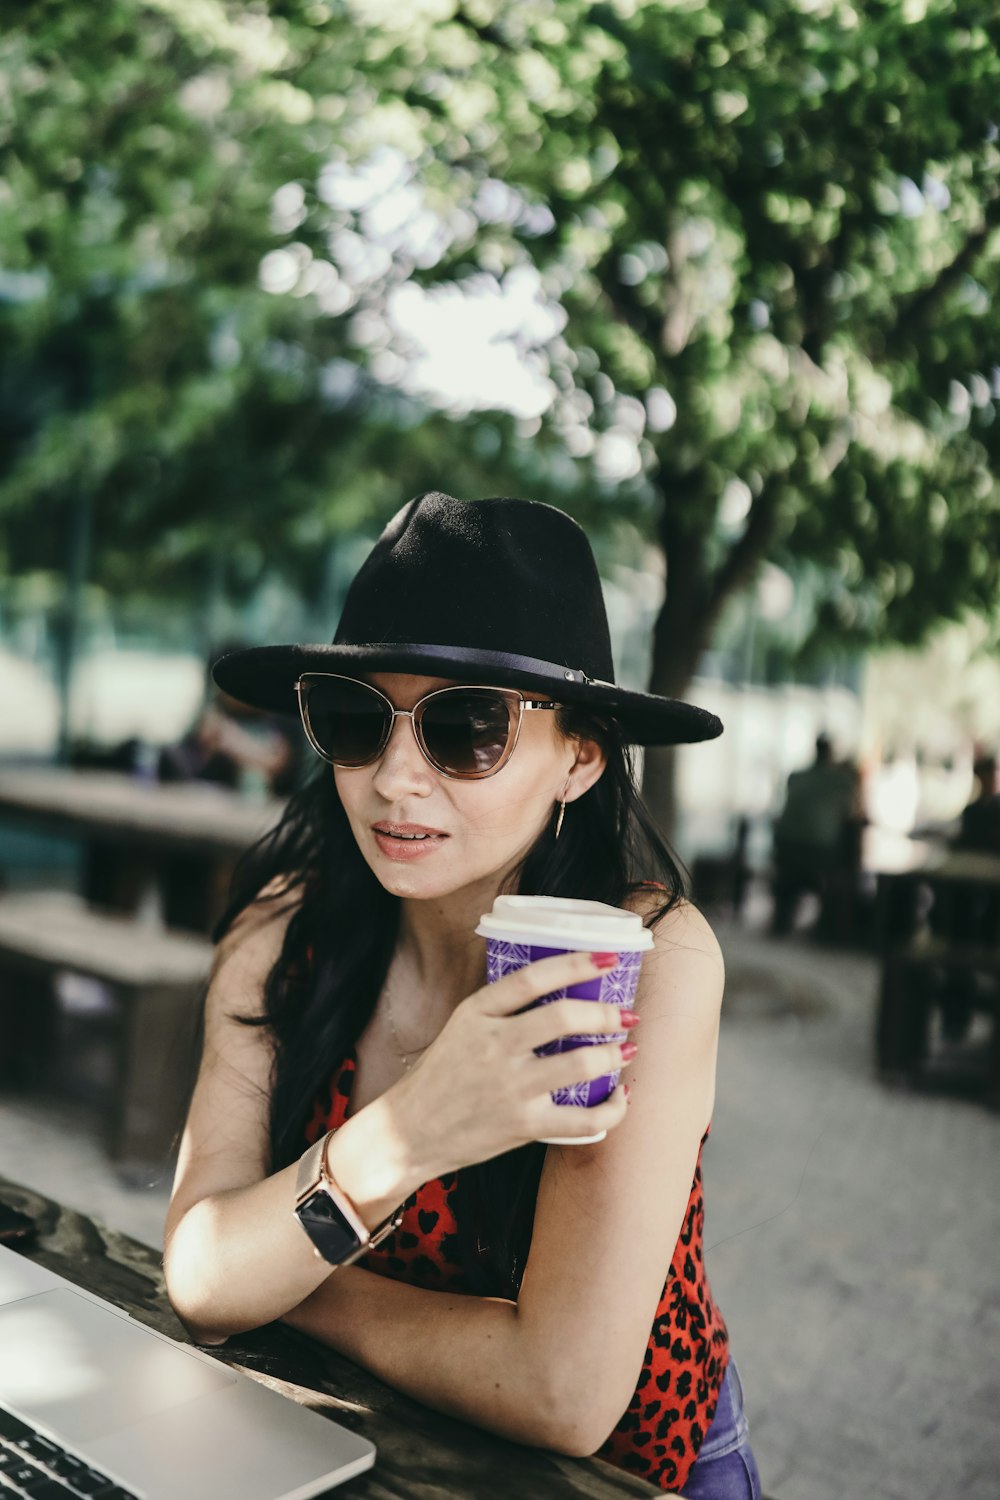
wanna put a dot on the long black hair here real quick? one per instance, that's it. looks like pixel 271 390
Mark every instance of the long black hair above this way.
pixel 322 990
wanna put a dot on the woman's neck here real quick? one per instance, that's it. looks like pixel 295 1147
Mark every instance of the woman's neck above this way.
pixel 438 951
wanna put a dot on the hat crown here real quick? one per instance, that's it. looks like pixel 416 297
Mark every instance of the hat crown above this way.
pixel 498 574
pixel 500 591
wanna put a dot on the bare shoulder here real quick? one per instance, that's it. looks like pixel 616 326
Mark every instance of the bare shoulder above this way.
pixel 686 950
pixel 253 942
pixel 684 925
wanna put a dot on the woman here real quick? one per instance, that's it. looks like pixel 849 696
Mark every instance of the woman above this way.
pixel 364 1093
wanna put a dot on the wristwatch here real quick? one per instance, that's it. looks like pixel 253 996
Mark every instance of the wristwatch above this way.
pixel 327 1215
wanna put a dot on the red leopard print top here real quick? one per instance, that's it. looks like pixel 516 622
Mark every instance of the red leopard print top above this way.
pixel 660 1433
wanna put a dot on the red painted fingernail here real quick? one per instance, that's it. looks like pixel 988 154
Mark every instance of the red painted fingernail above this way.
pixel 604 960
pixel 628 1018
pixel 628 1095
pixel 629 1049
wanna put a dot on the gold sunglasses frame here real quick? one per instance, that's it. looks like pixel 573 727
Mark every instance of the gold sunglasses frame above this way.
pixel 512 697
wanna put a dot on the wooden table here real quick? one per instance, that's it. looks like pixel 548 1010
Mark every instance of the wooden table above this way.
pixel 952 873
pixel 422 1455
pixel 181 838
pixel 937 931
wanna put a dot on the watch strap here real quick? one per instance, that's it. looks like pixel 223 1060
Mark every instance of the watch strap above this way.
pixel 310 1173
pixel 313 1175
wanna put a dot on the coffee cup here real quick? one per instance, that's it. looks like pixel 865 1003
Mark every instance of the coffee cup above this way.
pixel 521 929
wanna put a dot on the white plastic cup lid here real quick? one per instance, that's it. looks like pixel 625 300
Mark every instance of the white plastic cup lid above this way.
pixel 562 922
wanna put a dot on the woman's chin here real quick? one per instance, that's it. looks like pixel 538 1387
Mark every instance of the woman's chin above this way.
pixel 415 879
pixel 419 883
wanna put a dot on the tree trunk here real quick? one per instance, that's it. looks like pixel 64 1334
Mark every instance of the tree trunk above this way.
pixel 679 638
pixel 659 784
pixel 694 601
pixel 69 617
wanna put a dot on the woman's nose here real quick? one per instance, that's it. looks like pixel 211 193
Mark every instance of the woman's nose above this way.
pixel 401 765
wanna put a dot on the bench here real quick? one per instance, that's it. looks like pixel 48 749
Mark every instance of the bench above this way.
pixel 916 979
pixel 721 879
pixel 156 977
pixel 940 939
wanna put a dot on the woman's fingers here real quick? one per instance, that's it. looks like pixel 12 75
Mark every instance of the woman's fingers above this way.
pixel 506 996
pixel 568 1017
pixel 572 1120
pixel 484 1087
pixel 560 1070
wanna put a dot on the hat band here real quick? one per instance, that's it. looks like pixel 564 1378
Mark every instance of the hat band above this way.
pixel 475 657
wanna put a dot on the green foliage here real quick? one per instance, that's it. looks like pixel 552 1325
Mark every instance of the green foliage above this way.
pixel 789 220
pixel 141 146
pixel 773 232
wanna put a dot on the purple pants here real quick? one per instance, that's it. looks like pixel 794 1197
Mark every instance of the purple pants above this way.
pixel 725 1468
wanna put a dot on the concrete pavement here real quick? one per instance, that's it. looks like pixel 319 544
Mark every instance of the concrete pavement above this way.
pixel 852 1237
pixel 852 1231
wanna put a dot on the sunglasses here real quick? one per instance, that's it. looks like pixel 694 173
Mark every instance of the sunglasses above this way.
pixel 463 732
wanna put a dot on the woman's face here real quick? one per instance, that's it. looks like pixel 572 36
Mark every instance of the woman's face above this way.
pixel 482 828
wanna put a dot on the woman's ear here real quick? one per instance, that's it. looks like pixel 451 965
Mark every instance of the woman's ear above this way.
pixel 586 769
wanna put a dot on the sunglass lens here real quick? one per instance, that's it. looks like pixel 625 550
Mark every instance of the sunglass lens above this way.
pixel 466 732
pixel 347 719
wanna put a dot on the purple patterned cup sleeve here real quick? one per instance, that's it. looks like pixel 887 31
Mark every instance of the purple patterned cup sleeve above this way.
pixel 615 986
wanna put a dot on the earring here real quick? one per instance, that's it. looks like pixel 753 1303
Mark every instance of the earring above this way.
pixel 559 820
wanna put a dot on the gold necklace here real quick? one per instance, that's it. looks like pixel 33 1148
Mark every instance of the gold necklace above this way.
pixel 395 1034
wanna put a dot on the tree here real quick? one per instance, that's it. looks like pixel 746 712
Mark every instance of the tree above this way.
pixel 774 235
pixel 768 238
pixel 183 403
pixel 185 308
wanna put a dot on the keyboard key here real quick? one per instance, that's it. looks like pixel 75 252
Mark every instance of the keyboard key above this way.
pixel 40 1484
pixel 23 1474
pixel 88 1482
pixel 51 1489
pixel 66 1465
pixel 11 1428
pixel 39 1448
pixel 23 1450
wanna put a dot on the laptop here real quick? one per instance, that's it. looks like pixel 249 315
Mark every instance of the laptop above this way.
pixel 94 1403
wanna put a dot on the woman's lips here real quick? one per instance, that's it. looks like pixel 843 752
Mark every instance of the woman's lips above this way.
pixel 408 849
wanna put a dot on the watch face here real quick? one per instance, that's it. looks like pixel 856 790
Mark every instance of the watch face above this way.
pixel 327 1228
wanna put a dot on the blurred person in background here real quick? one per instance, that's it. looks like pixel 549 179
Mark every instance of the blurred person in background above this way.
pixel 816 842
pixel 975 919
pixel 247 750
pixel 234 745
pixel 981 818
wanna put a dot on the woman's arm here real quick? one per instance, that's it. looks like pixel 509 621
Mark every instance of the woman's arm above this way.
pixel 239 1258
pixel 235 1256
pixel 608 1217
pixel 463 1355
pixel 606 1224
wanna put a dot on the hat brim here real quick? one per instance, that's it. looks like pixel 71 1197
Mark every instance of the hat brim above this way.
pixel 265 676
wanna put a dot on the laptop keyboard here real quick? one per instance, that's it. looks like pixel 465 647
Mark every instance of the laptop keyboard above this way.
pixel 32 1465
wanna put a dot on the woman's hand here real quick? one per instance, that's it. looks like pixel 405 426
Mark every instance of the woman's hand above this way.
pixel 480 1090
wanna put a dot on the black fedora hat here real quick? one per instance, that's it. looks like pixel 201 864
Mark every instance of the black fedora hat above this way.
pixel 498 591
